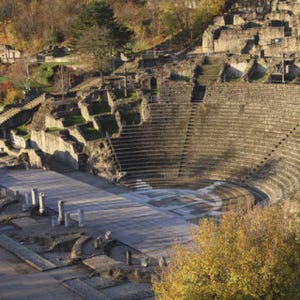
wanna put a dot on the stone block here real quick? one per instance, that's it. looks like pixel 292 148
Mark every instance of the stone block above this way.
pixel 102 263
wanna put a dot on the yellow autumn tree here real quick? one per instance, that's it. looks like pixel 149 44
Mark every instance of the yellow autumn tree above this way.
pixel 253 256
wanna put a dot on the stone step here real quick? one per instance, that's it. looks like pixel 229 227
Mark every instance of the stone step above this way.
pixel 84 290
pixel 30 257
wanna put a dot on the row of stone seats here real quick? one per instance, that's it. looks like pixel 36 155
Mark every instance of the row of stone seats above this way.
pixel 251 138
pixel 235 131
pixel 147 151
pixel 285 176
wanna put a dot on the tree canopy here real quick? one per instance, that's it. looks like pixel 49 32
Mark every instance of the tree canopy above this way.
pixel 254 256
pixel 97 34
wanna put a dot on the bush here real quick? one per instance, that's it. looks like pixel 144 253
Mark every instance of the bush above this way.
pixel 254 256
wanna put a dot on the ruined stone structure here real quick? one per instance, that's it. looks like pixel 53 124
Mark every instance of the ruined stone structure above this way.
pixel 196 131
pixel 8 54
pixel 241 32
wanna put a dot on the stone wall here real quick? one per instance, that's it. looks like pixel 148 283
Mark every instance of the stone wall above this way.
pixel 269 34
pixel 54 144
pixel 261 94
pixel 83 106
pixel 111 98
pixel 233 40
pixel 51 122
pixel 173 91
pixel 18 140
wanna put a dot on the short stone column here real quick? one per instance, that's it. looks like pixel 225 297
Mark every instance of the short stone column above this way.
pixel 67 219
pixel 108 235
pixel 60 218
pixel 34 197
pixel 41 203
pixel 128 258
pixel 27 200
pixel 80 218
pixel 98 241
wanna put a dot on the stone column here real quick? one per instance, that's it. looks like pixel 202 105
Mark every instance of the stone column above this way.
pixel 60 218
pixel 97 242
pixel 41 203
pixel 67 219
pixel 128 258
pixel 80 218
pixel 108 235
pixel 34 197
pixel 27 200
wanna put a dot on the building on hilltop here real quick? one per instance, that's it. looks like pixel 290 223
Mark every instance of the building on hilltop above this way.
pixel 8 54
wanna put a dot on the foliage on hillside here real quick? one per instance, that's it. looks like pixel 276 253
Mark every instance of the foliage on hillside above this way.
pixel 28 23
pixel 254 256
pixel 97 35
pixel 35 25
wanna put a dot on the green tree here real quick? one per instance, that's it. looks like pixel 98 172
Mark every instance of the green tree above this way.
pixel 253 256
pixel 97 35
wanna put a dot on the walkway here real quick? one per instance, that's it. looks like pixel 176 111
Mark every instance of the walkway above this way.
pixel 142 227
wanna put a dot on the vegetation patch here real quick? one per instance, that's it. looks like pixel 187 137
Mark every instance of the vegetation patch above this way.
pixel 23 131
pixel 90 133
pixel 132 95
pixel 153 92
pixel 53 129
pixel 43 75
pixel 4 79
pixel 73 120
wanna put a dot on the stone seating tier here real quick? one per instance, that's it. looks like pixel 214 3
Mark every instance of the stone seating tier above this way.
pixel 240 132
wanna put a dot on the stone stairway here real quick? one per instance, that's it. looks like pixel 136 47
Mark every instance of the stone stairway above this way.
pixel 188 140
pixel 209 70
pixel 5 116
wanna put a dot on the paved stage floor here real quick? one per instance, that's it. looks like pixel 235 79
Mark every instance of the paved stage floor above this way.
pixel 135 223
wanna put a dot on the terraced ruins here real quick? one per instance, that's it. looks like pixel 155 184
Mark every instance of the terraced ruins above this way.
pixel 194 131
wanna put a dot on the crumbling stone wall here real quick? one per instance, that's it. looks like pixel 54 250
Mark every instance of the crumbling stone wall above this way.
pixel 233 41
pixel 172 91
pixel 278 30
pixel 50 121
pixel 55 144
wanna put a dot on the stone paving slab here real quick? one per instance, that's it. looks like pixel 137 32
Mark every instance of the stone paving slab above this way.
pixel 100 283
pixel 101 263
pixel 69 272
pixel 36 286
pixel 129 291
pixel 25 254
pixel 85 290
pixel 136 224
pixel 24 222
